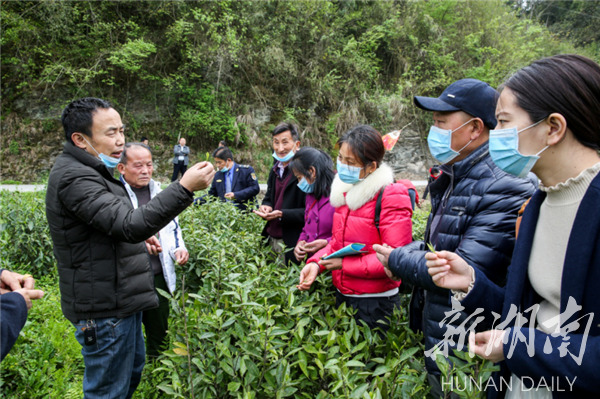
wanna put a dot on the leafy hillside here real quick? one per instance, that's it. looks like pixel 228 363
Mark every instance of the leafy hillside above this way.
pixel 233 69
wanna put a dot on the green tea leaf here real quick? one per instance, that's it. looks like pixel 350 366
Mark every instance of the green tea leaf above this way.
pixel 431 247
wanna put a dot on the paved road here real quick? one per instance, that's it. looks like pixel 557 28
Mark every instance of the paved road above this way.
pixel 38 187
pixel 22 187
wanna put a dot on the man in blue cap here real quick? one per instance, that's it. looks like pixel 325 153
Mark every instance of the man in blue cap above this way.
pixel 474 207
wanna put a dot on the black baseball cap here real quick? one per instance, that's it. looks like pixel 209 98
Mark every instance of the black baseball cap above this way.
pixel 472 96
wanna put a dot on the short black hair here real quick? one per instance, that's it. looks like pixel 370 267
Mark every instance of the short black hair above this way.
pixel 284 127
pixel 131 145
pixel 308 157
pixel 144 138
pixel 78 116
pixel 365 142
pixel 223 153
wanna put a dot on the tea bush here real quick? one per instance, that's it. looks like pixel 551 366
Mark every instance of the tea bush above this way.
pixel 24 233
pixel 244 330
pixel 238 328
pixel 46 360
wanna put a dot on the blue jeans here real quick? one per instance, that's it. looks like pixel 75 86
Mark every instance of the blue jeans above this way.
pixel 114 364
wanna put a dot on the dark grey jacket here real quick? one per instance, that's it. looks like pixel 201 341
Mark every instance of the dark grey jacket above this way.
pixel 103 265
pixel 184 151
pixel 478 205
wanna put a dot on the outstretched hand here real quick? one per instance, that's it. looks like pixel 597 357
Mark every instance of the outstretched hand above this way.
pixel 153 245
pixel 299 251
pixel 198 176
pixel 488 344
pixel 307 276
pixel 29 294
pixel 314 246
pixel 383 255
pixel 19 283
pixel 13 281
pixel 448 270
pixel 263 211
pixel 181 256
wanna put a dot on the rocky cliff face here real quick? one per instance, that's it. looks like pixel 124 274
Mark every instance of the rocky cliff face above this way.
pixel 410 157
pixel 29 147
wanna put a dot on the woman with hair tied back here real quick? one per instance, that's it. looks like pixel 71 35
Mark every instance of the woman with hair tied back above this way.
pixel 314 170
pixel 363 191
pixel 548 338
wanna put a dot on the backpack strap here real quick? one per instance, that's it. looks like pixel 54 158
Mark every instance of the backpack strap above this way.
pixel 378 209
pixel 520 216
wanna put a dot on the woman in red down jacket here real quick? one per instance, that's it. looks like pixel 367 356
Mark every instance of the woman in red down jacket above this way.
pixel 361 280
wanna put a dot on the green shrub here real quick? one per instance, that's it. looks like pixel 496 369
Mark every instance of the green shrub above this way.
pixel 244 330
pixel 238 327
pixel 14 147
pixel 46 360
pixel 468 375
pixel 200 113
pixel 24 233
pixel 419 219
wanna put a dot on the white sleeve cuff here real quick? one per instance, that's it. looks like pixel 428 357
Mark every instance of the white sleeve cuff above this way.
pixel 460 295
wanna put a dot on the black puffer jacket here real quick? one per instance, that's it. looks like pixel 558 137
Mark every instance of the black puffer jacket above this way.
pixel 103 265
pixel 478 204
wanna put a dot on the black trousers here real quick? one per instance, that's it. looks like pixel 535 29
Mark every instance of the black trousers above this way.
pixel 178 167
pixel 375 311
pixel 156 321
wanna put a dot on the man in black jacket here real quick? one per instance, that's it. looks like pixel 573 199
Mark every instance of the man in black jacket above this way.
pixel 105 276
pixel 474 208
pixel 283 205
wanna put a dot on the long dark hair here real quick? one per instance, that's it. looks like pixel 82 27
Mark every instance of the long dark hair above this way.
pixel 365 143
pixel 568 84
pixel 308 157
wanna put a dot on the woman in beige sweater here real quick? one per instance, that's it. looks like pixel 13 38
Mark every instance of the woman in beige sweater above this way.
pixel 548 123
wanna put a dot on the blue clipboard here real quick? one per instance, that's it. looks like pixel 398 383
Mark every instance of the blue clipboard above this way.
pixel 351 249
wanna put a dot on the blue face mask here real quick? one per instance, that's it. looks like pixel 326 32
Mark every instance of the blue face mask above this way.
pixel 348 174
pixel 306 186
pixel 284 159
pixel 224 169
pixel 504 150
pixel 440 143
pixel 109 162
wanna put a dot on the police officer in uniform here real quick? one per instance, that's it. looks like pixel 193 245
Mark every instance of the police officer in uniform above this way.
pixel 233 182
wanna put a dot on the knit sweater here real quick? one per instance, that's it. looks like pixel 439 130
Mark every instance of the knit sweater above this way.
pixel 579 285
pixel 557 215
